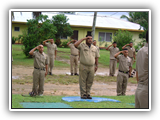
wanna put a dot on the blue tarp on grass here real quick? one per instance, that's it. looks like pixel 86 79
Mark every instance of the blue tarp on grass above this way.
pixel 94 99
pixel 44 105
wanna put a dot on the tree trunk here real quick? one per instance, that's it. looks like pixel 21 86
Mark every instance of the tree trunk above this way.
pixel 94 24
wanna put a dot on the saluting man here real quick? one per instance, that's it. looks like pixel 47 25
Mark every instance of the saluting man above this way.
pixel 88 65
pixel 131 53
pixel 52 53
pixel 124 70
pixel 113 61
pixel 73 57
pixel 40 70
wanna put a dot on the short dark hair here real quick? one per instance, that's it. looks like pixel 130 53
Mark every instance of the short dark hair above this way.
pixel 130 42
pixel 114 42
pixel 88 35
pixel 125 49
pixel 50 38
pixel 147 36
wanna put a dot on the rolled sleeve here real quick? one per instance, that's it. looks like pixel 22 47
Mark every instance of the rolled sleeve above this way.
pixel 56 47
pixel 34 53
pixel 46 61
pixel 118 57
pixel 46 44
pixel 97 54
pixel 79 46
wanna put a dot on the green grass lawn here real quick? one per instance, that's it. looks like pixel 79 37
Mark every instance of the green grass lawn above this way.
pixel 19 57
pixel 125 100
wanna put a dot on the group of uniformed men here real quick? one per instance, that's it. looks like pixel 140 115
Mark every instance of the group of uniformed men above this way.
pixel 88 55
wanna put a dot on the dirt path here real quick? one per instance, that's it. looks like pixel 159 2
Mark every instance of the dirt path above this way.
pixel 98 88
pixel 27 71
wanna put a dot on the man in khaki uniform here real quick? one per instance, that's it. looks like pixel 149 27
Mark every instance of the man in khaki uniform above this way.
pixel 73 57
pixel 40 70
pixel 88 65
pixel 131 53
pixel 113 61
pixel 52 53
pixel 141 95
pixel 124 70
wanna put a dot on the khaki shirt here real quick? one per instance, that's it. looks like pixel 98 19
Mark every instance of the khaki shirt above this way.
pixel 131 51
pixel 142 64
pixel 124 63
pixel 97 48
pixel 74 50
pixel 51 48
pixel 113 51
pixel 88 55
pixel 40 60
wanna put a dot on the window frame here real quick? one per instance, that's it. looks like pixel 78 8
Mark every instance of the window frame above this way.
pixel 105 36
pixel 17 30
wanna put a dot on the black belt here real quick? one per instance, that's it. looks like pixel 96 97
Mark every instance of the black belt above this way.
pixel 40 68
pixel 124 72
pixel 74 55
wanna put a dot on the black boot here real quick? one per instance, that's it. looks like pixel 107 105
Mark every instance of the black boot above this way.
pixel 89 97
pixel 76 74
pixel 84 96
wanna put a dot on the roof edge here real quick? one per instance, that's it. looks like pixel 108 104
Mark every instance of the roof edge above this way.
pixel 83 26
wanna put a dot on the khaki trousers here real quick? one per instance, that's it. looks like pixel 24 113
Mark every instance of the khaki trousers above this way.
pixel 112 66
pixel 50 63
pixel 73 63
pixel 141 96
pixel 38 81
pixel 86 76
pixel 122 80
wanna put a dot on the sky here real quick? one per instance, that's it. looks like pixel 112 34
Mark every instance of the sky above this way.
pixel 111 14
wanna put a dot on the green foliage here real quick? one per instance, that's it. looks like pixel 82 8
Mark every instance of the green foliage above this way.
pixel 63 28
pixel 140 45
pixel 14 39
pixel 140 18
pixel 39 29
pixel 64 44
pixel 122 38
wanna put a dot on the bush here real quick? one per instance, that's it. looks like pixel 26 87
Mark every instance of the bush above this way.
pixel 14 40
pixel 122 38
pixel 64 44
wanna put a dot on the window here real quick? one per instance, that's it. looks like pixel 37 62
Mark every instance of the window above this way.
pixel 16 29
pixel 63 37
pixel 75 35
pixel 89 33
pixel 105 36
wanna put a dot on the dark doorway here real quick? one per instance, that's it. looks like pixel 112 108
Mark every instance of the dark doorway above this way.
pixel 75 35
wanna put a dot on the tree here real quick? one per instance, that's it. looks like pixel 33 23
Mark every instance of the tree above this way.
pixel 122 38
pixel 39 29
pixel 139 18
pixel 63 28
pixel 94 24
pixel 36 14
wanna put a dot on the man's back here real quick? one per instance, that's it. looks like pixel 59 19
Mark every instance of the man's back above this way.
pixel 142 64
